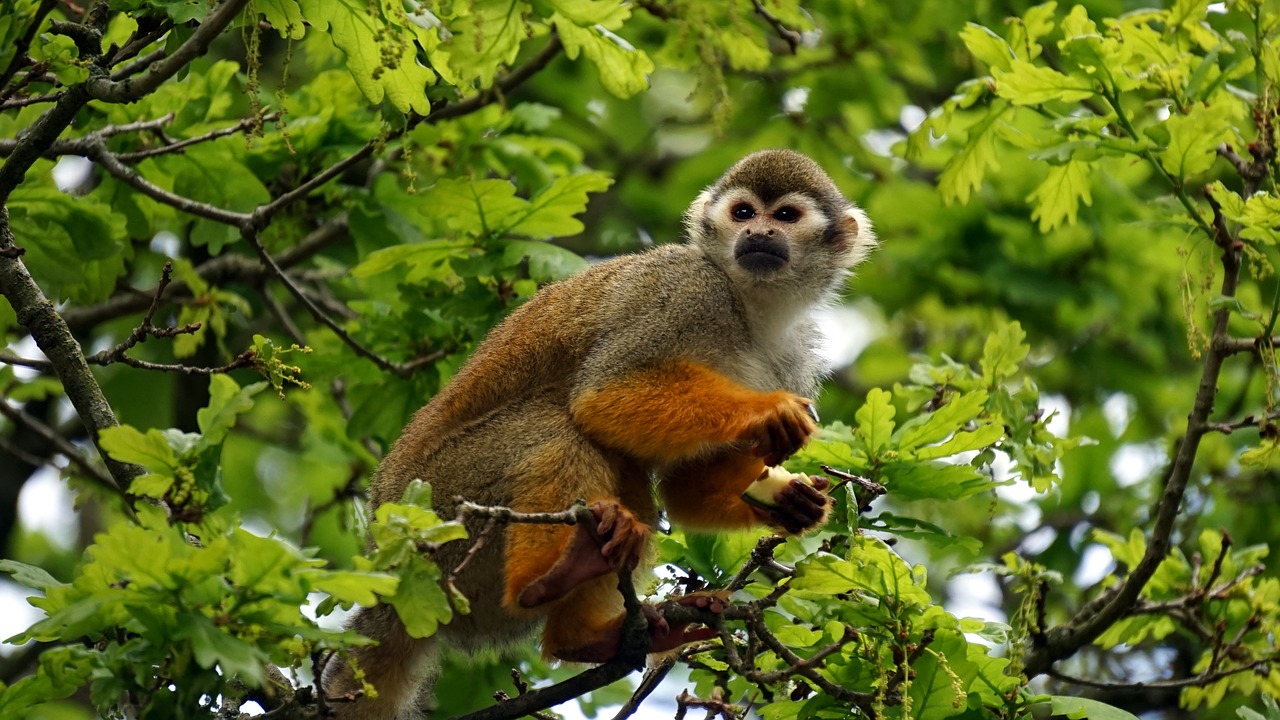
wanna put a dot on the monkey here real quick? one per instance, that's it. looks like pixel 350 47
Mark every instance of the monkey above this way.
pixel 687 368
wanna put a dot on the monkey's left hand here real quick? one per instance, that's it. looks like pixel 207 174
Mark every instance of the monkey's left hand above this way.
pixel 799 506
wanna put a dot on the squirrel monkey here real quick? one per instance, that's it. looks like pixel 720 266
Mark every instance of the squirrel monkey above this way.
pixel 689 366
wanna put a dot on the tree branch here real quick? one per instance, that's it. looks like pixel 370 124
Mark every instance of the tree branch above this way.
pixel 132 89
pixel 1092 619
pixel 1201 680
pixel 228 267
pixel 98 152
pixel 24 44
pixel 41 319
pixel 62 445
pixel 789 36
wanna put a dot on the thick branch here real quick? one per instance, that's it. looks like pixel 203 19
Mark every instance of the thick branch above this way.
pixel 42 133
pixel 54 338
pixel 133 89
pixel 1096 616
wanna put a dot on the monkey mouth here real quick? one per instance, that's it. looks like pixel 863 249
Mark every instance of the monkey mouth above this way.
pixel 760 254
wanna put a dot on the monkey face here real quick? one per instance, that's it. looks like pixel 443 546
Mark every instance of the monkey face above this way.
pixel 780 239
pixel 776 218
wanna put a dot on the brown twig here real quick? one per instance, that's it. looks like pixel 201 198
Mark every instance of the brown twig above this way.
pixel 714 706
pixel 97 151
pixel 397 368
pixel 142 37
pixel 761 556
pixel 64 446
pixel 179 145
pixel 789 36
pixel 1200 680
pixel 1233 346
pixel 1093 618
pixel 23 44
pixel 40 318
pixel 653 677
pixel 32 100
pixel 223 268
pixel 869 487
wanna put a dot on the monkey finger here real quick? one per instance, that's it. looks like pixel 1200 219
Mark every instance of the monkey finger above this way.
pixel 801 503
pixel 777 439
pixel 788 522
pixel 812 493
pixel 819 483
pixel 658 626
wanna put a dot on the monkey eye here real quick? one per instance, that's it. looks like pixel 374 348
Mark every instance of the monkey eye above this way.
pixel 743 211
pixel 787 214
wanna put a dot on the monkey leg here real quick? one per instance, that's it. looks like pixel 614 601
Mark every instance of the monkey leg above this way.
pixel 586 625
pixel 618 539
pixel 401 669
pixel 677 410
pixel 706 494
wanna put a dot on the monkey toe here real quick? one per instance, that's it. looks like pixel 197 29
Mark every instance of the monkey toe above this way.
pixel 714 601
pixel 622 533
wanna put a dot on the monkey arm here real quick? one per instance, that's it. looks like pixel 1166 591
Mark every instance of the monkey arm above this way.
pixel 678 410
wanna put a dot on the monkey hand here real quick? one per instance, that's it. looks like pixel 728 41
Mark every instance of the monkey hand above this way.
pixel 782 430
pixel 792 502
pixel 618 540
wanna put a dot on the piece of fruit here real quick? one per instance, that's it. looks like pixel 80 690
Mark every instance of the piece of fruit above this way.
pixel 765 489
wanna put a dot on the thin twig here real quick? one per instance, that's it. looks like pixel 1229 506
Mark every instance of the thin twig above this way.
pixel 243 125
pixel 399 369
pixel 23 44
pixel 1233 346
pixel 134 45
pixel 1200 680
pixel 64 446
pixel 98 152
pixel 31 100
pixel 228 267
pixel 789 36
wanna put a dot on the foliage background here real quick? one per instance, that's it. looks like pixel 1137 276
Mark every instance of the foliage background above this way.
pixel 380 182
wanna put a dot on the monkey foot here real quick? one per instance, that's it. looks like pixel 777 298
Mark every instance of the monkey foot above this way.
pixel 663 636
pixel 669 637
pixel 618 540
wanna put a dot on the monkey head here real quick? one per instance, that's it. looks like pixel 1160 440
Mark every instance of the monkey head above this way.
pixel 776 218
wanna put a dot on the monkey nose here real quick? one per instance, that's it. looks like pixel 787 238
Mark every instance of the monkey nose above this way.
pixel 759 253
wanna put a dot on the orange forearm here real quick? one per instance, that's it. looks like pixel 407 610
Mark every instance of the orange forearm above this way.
pixel 671 412
pixel 706 493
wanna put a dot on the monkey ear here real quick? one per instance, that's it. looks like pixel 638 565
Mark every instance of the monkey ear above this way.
pixel 858 235
pixel 695 217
